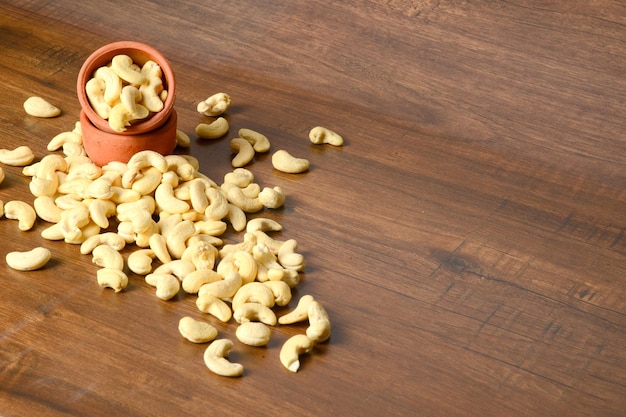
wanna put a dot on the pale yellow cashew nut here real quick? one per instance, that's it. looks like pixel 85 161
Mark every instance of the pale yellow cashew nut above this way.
pixel 215 359
pixel 243 150
pixel 292 349
pixel 253 333
pixel 215 105
pixel 46 209
pixel 210 304
pixel 225 288
pixel 259 141
pixel 319 323
pixel 196 331
pixel 29 260
pixel 320 135
pixel 106 257
pixel 21 211
pixel 253 292
pixel 123 66
pixel 140 261
pixel 109 238
pixel 254 312
pixel 167 285
pixel 112 278
pixel 95 89
pixel 112 84
pixel 272 198
pixel 19 157
pixel 300 313
pixel 285 162
pixel 281 290
pixel 194 280
pixel 214 130
pixel 39 107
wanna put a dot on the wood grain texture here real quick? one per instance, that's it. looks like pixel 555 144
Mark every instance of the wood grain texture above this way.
pixel 468 241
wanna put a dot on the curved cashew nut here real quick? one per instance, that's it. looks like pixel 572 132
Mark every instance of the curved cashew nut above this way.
pixel 85 170
pixel 95 89
pixel 246 265
pixel 158 244
pixel 272 198
pixel 292 349
pixel 62 138
pixel 73 220
pixel 249 205
pixel 194 280
pixel 124 195
pixel 144 159
pixel 196 331
pixel 210 227
pixel 218 207
pixel 259 142
pixel 201 254
pixel 100 212
pixel 46 209
pixel 109 238
pixel 179 268
pixel 140 261
pixel 254 312
pixel 107 257
pixel 253 333
pixel 39 107
pixel 152 87
pixel 300 313
pixel 244 152
pixel 112 84
pixel 120 117
pixel 215 359
pixel 214 105
pixel 177 237
pixel 319 323
pixel 100 188
pixel 74 150
pixel 225 288
pixel 319 135
pixel 19 157
pixel 167 285
pixel 112 278
pixel 198 196
pixel 123 66
pixel 210 304
pixel 263 238
pixel 214 130
pixel 30 260
pixel 182 139
pixel 241 177
pixel 52 233
pixel 129 97
pixel 165 199
pixel 288 257
pixel 281 291
pixel 263 224
pixel 249 241
pixel 253 292
pixel 285 162
pixel 236 217
pixel 21 211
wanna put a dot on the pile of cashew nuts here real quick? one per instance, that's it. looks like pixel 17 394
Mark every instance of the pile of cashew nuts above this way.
pixel 174 216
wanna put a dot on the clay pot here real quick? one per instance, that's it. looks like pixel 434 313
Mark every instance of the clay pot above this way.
pixel 158 132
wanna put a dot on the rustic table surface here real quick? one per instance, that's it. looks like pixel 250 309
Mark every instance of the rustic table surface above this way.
pixel 468 240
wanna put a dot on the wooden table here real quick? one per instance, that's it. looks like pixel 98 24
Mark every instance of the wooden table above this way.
pixel 468 240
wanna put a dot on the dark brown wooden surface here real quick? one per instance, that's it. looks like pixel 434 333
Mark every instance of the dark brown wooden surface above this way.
pixel 468 240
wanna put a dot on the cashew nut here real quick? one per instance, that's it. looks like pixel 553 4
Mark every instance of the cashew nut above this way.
pixel 218 207
pixel 39 107
pixel 194 280
pixel 319 135
pixel 214 130
pixel 21 211
pixel 292 349
pixel 19 157
pixel 166 201
pixel 214 105
pixel 210 304
pixel 167 285
pixel 281 291
pixel 249 205
pixel 120 117
pixel 272 198
pixel 158 244
pixel 241 177
pixel 112 84
pixel 246 265
pixel 244 152
pixel 112 278
pixel 263 224
pixel 95 89
pixel 285 162
pixel 196 331
pixel 225 288
pixel 124 67
pixel 201 254
pixel 107 257
pixel 30 260
pixel 319 323
pixel 140 261
pixel 254 312
pixel 109 238
pixel 236 217
pixel 46 209
pixel 179 268
pixel 182 139
pixel 253 292
pixel 152 88
pixel 253 333
pixel 259 142
pixel 215 359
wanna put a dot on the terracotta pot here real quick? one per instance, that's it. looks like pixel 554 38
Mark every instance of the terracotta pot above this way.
pixel 103 147
pixel 157 133
pixel 140 53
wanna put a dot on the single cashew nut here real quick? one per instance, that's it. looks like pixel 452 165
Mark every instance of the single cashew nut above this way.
pixel 112 278
pixel 214 130
pixel 238 198
pixel 21 211
pixel 225 288
pixel 300 313
pixel 179 268
pixel 259 142
pixel 95 89
pixel 152 88
pixel 109 238
pixel 285 162
pixel 253 292
pixel 107 257
pixel 123 66
pixel 112 84
pixel 236 217
pixel 244 152
pixel 281 290
pixel 214 306
pixel 140 261
pixel 214 105
pixel 182 139
pixel 46 209
pixel 263 224
pixel 253 333
pixel 319 323
pixel 196 331
pixel 215 359
pixel 272 198
pixel 39 107
pixel 194 280
pixel 158 244
pixel 30 260
pixel 254 312
pixel 319 135
pixel 292 349
pixel 166 201
pixel 19 157
pixel 241 177
pixel 63 138
pixel 167 285
pixel 120 117
pixel 218 207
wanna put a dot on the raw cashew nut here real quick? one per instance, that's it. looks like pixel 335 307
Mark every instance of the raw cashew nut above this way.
pixel 158 244
pixel 109 238
pixel 63 138
pixel 319 323
pixel 244 152
pixel 214 130
pixel 21 211
pixel 177 237
pixel 19 157
pixel 225 288
pixel 218 207
pixel 285 162
pixel 112 84
pixel 144 159
pixel 215 105
pixel 152 87
pixel 107 257
pixel 201 254
pixel 196 331
pixel 272 198
pixel 123 66
pixel 254 312
pixel 179 268
pixel 246 265
pixel 215 359
pixel 30 260
pixel 259 142
pixel 182 139
pixel 253 333
pixel 236 217
pixel 120 117
pixel 281 291
pixel 140 261
pixel 292 349
pixel 39 107
pixel 194 280
pixel 238 198
pixel 112 278
pixel 263 224
pixel 214 306
pixel 319 135
pixel 165 199
pixel 300 313
pixel 253 292
pixel 241 177
pixel 95 89
pixel 46 209
pixel 167 285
